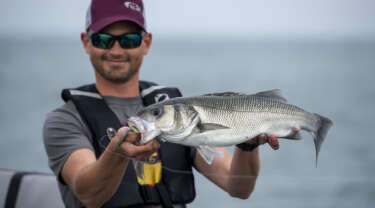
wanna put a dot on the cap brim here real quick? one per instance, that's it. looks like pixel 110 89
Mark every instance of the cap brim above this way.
pixel 97 26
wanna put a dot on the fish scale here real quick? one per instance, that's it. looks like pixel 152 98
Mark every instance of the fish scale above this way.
pixel 253 105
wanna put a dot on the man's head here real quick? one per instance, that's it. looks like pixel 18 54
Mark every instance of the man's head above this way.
pixel 116 38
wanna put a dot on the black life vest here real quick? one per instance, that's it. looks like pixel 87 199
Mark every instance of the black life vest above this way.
pixel 175 187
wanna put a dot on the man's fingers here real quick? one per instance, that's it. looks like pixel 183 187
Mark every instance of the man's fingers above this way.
pixel 273 141
pixel 126 135
pixel 133 137
pixel 262 139
pixel 135 151
pixel 127 145
pixel 155 144
pixel 149 147
pixel 297 128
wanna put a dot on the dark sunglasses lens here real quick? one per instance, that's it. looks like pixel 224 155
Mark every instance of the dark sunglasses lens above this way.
pixel 102 40
pixel 133 40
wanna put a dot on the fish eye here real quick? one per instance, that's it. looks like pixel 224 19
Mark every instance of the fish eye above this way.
pixel 156 112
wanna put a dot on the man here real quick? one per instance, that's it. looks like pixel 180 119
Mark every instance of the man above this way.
pixel 94 171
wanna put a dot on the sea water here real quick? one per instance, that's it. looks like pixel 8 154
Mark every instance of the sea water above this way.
pixel 334 78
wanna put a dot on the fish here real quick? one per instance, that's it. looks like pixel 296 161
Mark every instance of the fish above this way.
pixel 227 118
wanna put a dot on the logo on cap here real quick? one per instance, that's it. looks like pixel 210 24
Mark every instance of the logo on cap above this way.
pixel 161 97
pixel 132 6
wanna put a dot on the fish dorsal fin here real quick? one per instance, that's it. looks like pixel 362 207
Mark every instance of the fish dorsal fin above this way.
pixel 224 94
pixel 203 127
pixel 273 94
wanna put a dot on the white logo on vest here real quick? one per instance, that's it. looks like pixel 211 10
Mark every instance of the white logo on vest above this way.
pixel 161 97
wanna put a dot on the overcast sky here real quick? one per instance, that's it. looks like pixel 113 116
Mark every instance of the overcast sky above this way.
pixel 316 18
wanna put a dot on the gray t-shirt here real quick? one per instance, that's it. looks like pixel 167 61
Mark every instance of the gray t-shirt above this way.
pixel 64 132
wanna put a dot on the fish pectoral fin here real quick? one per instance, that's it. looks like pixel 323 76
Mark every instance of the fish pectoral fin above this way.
pixel 161 139
pixel 293 136
pixel 208 153
pixel 204 127
pixel 273 94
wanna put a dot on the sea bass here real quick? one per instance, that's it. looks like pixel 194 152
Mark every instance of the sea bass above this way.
pixel 225 119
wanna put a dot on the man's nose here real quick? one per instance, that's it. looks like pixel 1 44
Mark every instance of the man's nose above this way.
pixel 116 48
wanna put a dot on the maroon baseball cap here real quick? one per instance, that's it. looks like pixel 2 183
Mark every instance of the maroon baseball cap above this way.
pixel 102 13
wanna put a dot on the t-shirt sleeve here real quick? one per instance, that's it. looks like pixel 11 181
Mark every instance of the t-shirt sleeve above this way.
pixel 63 133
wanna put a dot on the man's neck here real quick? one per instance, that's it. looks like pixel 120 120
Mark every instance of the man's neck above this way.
pixel 124 90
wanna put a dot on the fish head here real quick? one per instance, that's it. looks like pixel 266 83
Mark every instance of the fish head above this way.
pixel 174 121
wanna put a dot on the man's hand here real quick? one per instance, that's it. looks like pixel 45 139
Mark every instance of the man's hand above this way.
pixel 130 148
pixel 272 140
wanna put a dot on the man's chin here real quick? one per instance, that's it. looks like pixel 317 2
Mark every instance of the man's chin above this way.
pixel 116 74
pixel 120 78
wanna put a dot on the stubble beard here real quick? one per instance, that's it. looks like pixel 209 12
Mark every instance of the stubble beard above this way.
pixel 118 78
pixel 116 74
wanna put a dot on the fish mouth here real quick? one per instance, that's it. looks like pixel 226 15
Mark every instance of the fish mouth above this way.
pixel 147 129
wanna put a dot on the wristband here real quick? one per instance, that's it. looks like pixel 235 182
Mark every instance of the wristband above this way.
pixel 247 147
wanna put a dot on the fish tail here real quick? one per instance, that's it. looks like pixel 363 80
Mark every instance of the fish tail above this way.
pixel 324 124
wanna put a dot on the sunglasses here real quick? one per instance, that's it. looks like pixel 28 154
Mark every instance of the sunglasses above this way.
pixel 106 41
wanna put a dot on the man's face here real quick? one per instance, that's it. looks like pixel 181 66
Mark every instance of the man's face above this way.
pixel 117 64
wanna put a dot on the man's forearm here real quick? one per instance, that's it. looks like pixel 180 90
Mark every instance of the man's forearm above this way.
pixel 244 171
pixel 99 181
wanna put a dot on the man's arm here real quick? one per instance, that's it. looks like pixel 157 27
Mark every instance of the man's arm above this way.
pixel 236 175
pixel 93 181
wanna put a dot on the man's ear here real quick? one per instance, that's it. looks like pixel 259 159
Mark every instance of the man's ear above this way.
pixel 85 41
pixel 147 39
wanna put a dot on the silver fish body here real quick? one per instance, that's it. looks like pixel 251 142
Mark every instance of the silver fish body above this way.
pixel 225 119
